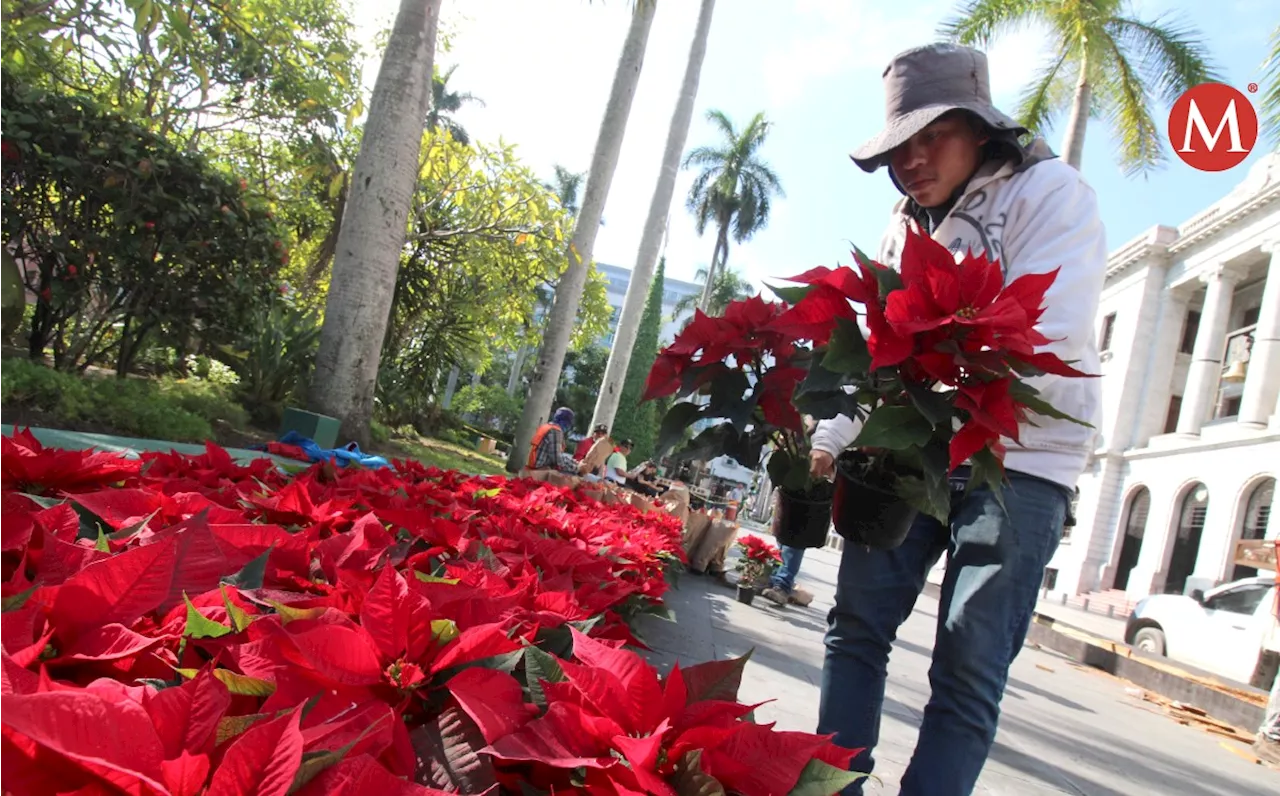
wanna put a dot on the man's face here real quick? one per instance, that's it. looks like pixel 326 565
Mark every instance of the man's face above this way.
pixel 936 161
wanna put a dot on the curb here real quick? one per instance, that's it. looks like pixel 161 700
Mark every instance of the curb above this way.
pixel 1236 704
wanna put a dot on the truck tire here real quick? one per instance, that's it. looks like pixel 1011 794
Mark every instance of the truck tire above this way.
pixel 1150 640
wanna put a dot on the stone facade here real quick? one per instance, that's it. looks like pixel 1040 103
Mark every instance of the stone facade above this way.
pixel 1189 449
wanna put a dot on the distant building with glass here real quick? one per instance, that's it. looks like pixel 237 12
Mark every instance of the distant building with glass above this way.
pixel 673 290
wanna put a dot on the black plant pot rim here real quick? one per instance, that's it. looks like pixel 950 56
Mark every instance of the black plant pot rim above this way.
pixel 844 470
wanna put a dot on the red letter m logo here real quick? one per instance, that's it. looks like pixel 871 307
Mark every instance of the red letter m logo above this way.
pixel 1213 127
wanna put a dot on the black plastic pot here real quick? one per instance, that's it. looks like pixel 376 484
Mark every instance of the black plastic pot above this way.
pixel 746 595
pixel 802 520
pixel 867 514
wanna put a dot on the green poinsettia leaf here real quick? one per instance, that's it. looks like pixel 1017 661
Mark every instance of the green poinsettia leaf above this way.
pixel 847 350
pixel 894 428
pixel 823 779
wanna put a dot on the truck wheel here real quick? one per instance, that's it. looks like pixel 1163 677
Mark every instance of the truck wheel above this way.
pixel 1150 640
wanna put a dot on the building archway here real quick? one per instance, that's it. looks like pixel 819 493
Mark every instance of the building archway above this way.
pixel 1186 543
pixel 1135 526
pixel 1254 519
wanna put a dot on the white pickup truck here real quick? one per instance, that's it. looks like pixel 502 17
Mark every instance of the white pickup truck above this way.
pixel 1230 630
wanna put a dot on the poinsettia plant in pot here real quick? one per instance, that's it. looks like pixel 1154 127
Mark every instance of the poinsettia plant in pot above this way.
pixel 756 562
pixel 737 376
pixel 932 365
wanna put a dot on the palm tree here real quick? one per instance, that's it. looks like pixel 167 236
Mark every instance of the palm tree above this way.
pixel 604 161
pixel 363 280
pixel 445 103
pixel 734 188
pixel 1103 63
pixel 730 286
pixel 565 185
pixel 1271 93
pixel 633 306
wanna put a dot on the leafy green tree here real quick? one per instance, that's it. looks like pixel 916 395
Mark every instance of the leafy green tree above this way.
pixel 1103 63
pixel 638 420
pixel 734 189
pixel 579 380
pixel 125 237
pixel 485 241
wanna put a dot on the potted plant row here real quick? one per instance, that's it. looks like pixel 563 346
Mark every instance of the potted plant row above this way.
pixel 736 376
pixel 932 362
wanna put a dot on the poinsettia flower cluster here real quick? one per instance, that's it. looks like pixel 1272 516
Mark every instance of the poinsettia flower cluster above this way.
pixel 939 324
pixel 755 548
pixel 188 625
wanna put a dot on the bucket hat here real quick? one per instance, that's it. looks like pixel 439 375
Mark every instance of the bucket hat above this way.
pixel 921 85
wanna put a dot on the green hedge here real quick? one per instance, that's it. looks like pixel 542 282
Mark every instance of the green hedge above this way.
pixel 181 411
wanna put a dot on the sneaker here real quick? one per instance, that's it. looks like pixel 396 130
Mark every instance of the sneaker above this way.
pixel 1267 750
pixel 776 596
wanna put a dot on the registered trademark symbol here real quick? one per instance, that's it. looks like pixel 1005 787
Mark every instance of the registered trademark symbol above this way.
pixel 1253 88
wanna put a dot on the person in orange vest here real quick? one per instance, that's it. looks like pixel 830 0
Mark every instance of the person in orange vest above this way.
pixel 547 449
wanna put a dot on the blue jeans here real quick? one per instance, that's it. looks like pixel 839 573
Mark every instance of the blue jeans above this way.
pixel 994 571
pixel 785 578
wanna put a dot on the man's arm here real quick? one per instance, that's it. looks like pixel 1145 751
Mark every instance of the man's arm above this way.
pixel 1060 227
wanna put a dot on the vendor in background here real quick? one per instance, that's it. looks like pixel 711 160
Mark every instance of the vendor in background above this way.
pixel 644 479
pixel 615 467
pixel 547 449
pixel 598 433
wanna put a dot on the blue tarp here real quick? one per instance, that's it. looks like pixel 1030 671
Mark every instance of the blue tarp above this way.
pixel 350 454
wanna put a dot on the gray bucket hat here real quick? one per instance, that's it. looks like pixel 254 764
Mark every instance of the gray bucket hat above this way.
pixel 924 83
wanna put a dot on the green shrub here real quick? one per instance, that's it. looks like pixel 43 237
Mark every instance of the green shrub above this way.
pixel 181 411
pixel 273 358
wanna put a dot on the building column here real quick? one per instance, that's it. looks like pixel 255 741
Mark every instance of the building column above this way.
pixel 1206 358
pixel 1157 387
pixel 1262 379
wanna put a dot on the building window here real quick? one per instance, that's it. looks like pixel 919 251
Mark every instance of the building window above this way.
pixel 1186 545
pixel 1108 328
pixel 1050 582
pixel 1189 332
pixel 1250 316
pixel 1135 527
pixel 1171 419
pixel 1257 516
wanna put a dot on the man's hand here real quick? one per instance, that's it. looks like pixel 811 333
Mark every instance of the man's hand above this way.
pixel 821 464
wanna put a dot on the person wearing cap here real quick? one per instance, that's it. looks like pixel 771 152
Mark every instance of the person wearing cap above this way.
pixel 547 449
pixel 598 433
pixel 968 180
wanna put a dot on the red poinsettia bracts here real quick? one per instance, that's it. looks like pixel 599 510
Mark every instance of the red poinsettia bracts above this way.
pixel 396 631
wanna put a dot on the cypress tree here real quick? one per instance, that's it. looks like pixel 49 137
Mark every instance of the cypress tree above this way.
pixel 635 420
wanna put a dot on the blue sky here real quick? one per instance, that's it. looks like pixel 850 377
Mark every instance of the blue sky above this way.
pixel 544 68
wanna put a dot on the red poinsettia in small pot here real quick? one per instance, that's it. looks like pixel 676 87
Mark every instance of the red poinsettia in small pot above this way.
pixel 756 563
pixel 936 381
pixel 737 375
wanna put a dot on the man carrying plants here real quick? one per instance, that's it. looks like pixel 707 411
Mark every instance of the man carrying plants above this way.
pixel 972 187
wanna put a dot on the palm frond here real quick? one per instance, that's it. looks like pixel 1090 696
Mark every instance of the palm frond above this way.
pixel 705 156
pixel 1271 90
pixel 1171 54
pixel 1138 140
pixel 982 21
pixel 1048 92
pixel 723 123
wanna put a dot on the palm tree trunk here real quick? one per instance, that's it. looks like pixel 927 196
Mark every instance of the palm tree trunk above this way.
pixel 654 228
pixel 719 257
pixel 604 161
pixel 1073 142
pixel 451 386
pixel 373 228
pixel 517 364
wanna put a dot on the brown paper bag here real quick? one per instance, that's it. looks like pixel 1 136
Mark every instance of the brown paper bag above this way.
pixel 694 528
pixel 713 546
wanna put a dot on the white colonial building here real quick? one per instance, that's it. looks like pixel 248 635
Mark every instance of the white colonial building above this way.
pixel 1189 449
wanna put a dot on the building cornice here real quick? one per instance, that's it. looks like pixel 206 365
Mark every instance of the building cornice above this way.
pixel 1215 219
pixel 1152 244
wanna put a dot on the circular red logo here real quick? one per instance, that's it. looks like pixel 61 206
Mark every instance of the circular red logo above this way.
pixel 1213 127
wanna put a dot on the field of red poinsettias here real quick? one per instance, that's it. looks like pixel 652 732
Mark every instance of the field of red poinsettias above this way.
pixel 187 625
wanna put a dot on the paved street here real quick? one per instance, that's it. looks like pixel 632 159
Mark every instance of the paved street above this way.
pixel 1064 730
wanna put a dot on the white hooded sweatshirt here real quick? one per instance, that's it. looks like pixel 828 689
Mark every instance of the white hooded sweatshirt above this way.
pixel 1034 217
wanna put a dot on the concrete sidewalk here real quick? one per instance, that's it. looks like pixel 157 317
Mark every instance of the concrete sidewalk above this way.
pixel 1065 728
